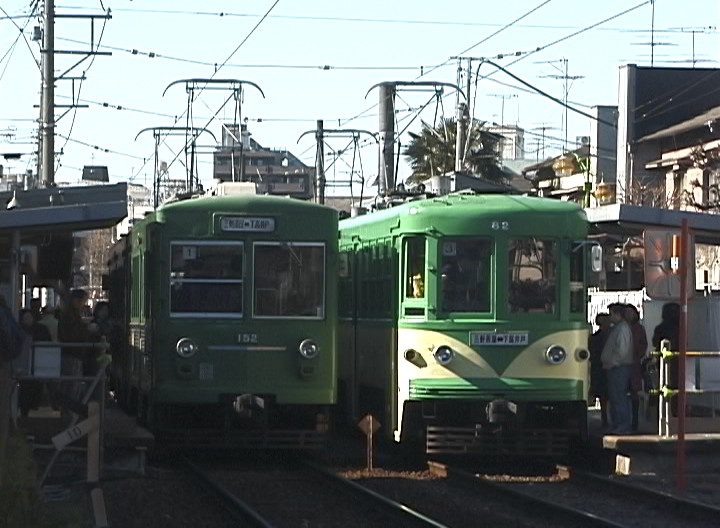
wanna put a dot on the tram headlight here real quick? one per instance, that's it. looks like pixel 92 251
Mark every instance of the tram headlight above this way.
pixel 309 349
pixel 582 354
pixel 555 354
pixel 444 354
pixel 186 347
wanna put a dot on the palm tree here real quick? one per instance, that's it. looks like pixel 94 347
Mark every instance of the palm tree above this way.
pixel 432 151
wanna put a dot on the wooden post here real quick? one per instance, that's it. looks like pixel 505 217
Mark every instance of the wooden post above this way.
pixel 369 426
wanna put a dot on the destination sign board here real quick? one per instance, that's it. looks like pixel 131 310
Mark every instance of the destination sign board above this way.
pixel 247 224
pixel 495 339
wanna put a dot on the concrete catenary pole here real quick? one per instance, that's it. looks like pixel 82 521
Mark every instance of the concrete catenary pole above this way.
pixel 386 179
pixel 320 162
pixel 47 111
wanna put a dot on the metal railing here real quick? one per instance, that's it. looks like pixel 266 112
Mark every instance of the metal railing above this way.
pixel 666 393
pixel 87 395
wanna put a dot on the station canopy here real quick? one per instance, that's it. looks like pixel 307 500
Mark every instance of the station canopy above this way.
pixel 62 209
pixel 632 220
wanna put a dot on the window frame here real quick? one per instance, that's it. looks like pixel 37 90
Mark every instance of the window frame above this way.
pixel 321 317
pixel 557 251
pixel 491 277
pixel 207 315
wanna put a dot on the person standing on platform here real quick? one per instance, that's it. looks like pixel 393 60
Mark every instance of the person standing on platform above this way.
pixel 669 328
pixel 640 346
pixel 598 377
pixel 49 321
pixel 617 360
pixel 31 390
pixel 72 329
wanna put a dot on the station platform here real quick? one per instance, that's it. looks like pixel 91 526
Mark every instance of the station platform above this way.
pixel 647 453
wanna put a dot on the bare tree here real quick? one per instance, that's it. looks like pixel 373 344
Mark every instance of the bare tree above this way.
pixel 704 195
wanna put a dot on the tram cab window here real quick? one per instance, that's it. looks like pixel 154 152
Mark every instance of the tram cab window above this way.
pixel 289 280
pixel 465 275
pixel 577 278
pixel 206 278
pixel 532 275
pixel 415 268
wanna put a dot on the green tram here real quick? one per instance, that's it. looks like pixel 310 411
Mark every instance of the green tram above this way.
pixel 463 323
pixel 231 306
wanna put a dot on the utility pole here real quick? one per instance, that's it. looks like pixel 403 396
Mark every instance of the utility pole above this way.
pixel 319 162
pixel 46 152
pixel 387 91
pixel 320 134
pixel 46 134
pixel 386 174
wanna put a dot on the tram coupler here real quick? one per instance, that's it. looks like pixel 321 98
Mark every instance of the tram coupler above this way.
pixel 246 405
pixel 501 411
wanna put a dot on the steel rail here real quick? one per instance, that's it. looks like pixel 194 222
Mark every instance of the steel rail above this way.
pixel 235 504
pixel 693 506
pixel 578 517
pixel 392 506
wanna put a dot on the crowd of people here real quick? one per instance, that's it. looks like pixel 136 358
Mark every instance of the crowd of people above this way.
pixel 619 362
pixel 66 325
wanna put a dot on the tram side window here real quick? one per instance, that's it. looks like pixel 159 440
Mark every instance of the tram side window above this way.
pixel 289 280
pixel 465 275
pixel 206 278
pixel 415 268
pixel 578 302
pixel 532 277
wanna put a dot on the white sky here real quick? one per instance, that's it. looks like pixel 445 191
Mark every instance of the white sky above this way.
pixel 370 34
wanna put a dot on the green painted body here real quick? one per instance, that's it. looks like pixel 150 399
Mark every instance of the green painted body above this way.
pixel 238 354
pixel 377 330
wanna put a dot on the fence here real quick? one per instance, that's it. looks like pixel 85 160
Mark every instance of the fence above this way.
pixel 667 423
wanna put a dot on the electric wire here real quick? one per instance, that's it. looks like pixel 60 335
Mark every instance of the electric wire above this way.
pixel 322 67
pixel 59 155
pixel 255 27
pixel 22 30
pixel 399 21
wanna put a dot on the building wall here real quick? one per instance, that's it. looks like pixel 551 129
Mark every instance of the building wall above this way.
pixel 603 144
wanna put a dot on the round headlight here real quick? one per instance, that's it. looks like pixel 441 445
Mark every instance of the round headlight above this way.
pixel 582 354
pixel 411 355
pixel 309 349
pixel 555 354
pixel 443 354
pixel 186 347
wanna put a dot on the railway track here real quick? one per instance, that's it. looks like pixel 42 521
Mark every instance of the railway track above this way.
pixel 584 499
pixel 306 495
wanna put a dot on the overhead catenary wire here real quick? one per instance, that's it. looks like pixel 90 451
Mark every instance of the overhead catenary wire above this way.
pixel 22 29
pixel 255 27
pixel 82 80
pixel 368 20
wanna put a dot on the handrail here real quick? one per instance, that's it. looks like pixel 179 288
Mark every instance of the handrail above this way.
pixel 665 392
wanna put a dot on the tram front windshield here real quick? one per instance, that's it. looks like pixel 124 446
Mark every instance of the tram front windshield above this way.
pixel 289 280
pixel 465 275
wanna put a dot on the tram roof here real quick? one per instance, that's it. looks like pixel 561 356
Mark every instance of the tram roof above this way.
pixel 632 220
pixel 463 207
pixel 250 201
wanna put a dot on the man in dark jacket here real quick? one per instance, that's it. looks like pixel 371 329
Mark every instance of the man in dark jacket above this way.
pixel 72 329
